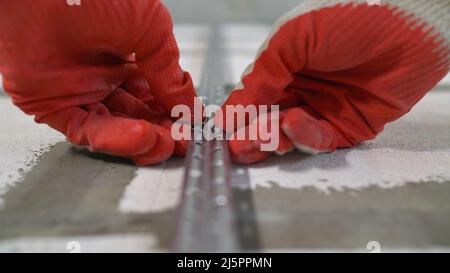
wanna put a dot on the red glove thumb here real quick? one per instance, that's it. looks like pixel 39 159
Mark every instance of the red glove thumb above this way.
pixel 351 67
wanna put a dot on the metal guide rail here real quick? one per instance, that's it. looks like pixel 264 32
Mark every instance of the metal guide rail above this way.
pixel 207 220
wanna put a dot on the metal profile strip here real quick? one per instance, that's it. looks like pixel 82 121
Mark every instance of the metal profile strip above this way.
pixel 207 219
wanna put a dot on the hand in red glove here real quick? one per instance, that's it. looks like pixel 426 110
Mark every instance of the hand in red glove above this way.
pixel 105 73
pixel 342 70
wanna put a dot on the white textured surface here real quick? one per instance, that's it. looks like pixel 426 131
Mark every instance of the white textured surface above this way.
pixel 415 149
pixel 22 142
pixel 154 189
pixel 83 244
pixel 192 41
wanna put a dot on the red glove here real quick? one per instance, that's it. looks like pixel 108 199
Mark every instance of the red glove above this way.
pixel 104 73
pixel 342 70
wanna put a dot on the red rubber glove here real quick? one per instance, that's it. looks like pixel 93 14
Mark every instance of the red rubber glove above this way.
pixel 104 73
pixel 342 70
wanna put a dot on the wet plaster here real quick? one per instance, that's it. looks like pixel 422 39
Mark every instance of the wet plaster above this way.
pixel 72 192
pixel 414 216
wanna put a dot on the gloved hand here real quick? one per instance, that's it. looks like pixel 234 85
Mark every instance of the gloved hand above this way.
pixel 342 70
pixel 104 73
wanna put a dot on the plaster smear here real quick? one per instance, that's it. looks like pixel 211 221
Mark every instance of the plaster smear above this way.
pixel 154 189
pixel 415 149
pixel 22 143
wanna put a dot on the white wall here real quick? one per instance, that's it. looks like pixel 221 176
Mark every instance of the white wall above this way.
pixel 1 86
pixel 200 11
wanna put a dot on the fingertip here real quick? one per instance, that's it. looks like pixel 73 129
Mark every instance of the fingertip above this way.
pixel 162 150
pixel 180 145
pixel 247 152
pixel 307 133
pixel 285 145
pixel 120 136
